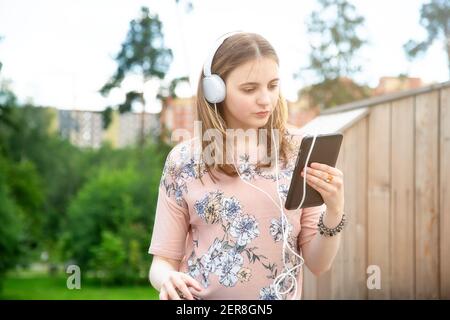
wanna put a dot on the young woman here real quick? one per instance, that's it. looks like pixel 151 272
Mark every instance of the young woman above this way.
pixel 218 231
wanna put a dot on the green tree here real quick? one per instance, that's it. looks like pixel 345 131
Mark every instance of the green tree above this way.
pixel 435 18
pixel 102 203
pixel 119 198
pixel 44 174
pixel 333 30
pixel 8 102
pixel 20 174
pixel 25 188
pixel 10 227
pixel 143 53
pixel 109 258
pixel 27 140
pixel 99 235
pixel 41 174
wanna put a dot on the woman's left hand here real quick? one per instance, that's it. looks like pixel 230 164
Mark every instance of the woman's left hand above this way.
pixel 329 182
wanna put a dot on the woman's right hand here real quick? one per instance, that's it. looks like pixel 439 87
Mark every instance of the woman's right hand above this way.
pixel 175 287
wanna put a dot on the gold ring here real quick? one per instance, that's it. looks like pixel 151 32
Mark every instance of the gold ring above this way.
pixel 329 178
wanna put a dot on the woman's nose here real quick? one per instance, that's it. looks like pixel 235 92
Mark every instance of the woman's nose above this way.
pixel 263 98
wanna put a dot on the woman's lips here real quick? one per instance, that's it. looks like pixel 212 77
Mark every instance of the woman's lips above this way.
pixel 262 114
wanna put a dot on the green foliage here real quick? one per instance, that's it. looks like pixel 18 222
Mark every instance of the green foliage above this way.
pixel 174 83
pixel 107 117
pixel 143 53
pixel 110 220
pixel 102 204
pixel 10 226
pixel 23 197
pixel 335 92
pixel 335 24
pixel 42 156
pixel 335 42
pixel 435 18
pixel 130 98
pixel 94 207
pixel 26 189
pixel 8 102
pixel 109 256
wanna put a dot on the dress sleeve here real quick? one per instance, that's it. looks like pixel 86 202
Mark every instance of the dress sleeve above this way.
pixel 309 220
pixel 172 216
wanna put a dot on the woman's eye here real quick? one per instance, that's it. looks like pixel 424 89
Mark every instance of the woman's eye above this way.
pixel 272 87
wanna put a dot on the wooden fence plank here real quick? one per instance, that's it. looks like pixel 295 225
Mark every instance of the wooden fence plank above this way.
pixel 354 236
pixel 337 281
pixel 378 192
pixel 426 196
pixel 444 207
pixel 402 200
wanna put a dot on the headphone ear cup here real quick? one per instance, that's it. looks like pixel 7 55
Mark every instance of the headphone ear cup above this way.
pixel 214 88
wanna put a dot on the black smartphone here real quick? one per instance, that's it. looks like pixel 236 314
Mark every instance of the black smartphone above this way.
pixel 326 150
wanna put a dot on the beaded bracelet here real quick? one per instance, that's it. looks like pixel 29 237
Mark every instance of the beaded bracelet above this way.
pixel 327 232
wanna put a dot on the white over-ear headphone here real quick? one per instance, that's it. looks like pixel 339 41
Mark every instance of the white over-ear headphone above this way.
pixel 214 88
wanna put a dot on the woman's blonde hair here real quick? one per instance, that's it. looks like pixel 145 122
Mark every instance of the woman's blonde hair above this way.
pixel 235 51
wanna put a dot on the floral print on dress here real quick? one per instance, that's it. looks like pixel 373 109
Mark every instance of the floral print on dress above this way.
pixel 231 209
pixel 180 168
pixel 246 169
pixel 244 274
pixel 285 287
pixel 249 171
pixel 268 293
pixel 196 270
pixel 209 208
pixel 283 191
pixel 225 257
pixel 276 229
pixel 245 229
pixel 230 258
pixel 229 266
pixel 291 259
pixel 187 166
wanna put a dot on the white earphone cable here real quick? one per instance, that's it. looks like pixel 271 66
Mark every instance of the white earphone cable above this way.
pixel 288 272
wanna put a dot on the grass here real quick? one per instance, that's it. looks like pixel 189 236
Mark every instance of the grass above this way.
pixel 44 287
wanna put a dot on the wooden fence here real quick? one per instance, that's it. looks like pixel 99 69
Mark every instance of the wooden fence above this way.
pixel 396 164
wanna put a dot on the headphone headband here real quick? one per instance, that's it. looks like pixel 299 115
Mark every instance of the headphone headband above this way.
pixel 209 59
pixel 214 89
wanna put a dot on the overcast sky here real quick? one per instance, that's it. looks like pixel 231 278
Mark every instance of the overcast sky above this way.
pixel 59 52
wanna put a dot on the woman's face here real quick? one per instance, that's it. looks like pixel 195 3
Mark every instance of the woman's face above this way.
pixel 252 94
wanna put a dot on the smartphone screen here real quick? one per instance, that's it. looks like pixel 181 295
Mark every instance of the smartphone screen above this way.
pixel 326 151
